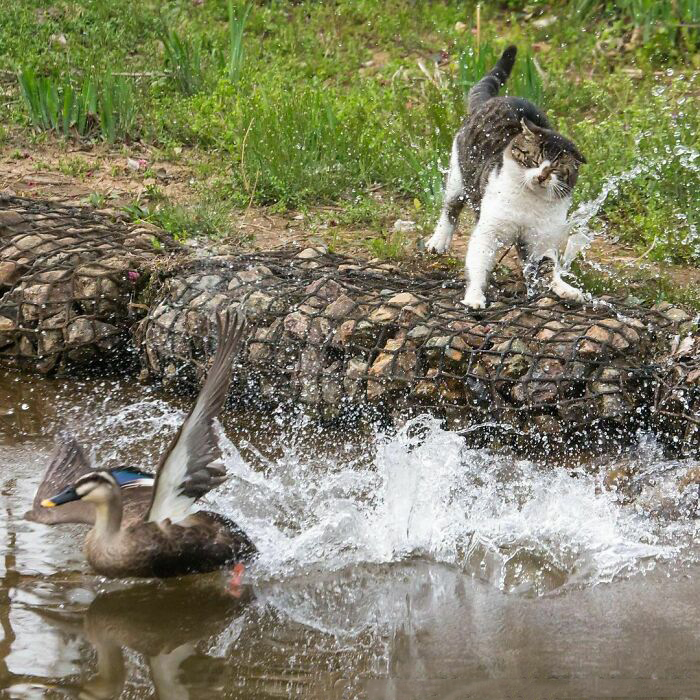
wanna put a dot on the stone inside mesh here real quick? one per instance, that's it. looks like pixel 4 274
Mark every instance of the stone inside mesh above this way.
pixel 332 332
pixel 68 280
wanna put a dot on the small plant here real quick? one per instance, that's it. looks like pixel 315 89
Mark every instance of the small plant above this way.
pixel 96 199
pixel 388 247
pixel 676 19
pixel 75 167
pixel 237 18
pixel 183 58
pixel 179 222
pixel 104 107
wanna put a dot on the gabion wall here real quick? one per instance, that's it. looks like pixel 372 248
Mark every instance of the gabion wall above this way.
pixel 335 333
pixel 68 277
pixel 331 332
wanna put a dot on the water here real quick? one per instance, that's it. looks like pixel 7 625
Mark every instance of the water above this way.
pixel 393 565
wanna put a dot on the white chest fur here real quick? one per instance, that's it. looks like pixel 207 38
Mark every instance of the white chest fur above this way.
pixel 517 204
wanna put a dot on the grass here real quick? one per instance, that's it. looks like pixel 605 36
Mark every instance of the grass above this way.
pixel 97 106
pixel 297 105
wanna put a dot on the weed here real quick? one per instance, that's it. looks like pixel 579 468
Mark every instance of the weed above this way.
pixel 96 199
pixel 180 222
pixel 104 106
pixel 183 58
pixel 392 247
pixel 237 19
pixel 74 167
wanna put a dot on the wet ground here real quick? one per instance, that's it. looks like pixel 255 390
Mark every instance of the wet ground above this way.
pixel 394 566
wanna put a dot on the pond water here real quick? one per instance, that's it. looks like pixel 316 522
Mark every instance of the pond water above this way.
pixel 393 565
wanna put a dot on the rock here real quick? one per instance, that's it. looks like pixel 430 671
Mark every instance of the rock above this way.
pixel 619 342
pixel 342 307
pixel 7 324
pixel 318 331
pixel 403 299
pixel 26 347
pixel 617 478
pixel 49 342
pixel 418 332
pixel 515 358
pixel 258 304
pixel 10 272
pixel 404 226
pixel 546 424
pixel 206 282
pixel 10 218
pixel 310 253
pixel 331 391
pixel 296 324
pixel 384 314
pixel 344 333
pixel 58 320
pixel 325 288
pixel 611 405
pixel 355 375
pixel 427 388
pixel 692 476
pixel 677 315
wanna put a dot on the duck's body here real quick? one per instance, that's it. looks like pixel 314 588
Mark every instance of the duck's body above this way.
pixel 170 537
pixel 202 542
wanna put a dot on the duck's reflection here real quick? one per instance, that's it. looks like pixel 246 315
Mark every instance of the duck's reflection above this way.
pixel 163 623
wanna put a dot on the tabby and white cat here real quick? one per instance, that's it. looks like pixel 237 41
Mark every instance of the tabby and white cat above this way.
pixel 517 173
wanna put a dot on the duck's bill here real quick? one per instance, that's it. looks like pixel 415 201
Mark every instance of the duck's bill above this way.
pixel 66 496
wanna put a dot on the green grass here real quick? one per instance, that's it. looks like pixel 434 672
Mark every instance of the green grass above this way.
pixel 97 106
pixel 320 103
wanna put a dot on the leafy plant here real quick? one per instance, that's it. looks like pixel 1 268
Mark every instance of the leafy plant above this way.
pixel 388 248
pixel 104 107
pixel 183 58
pixel 237 19
pixel 677 18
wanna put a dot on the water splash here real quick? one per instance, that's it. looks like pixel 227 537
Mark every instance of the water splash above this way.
pixel 425 495
pixel 581 235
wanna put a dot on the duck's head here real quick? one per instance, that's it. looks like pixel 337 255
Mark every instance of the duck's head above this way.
pixel 99 486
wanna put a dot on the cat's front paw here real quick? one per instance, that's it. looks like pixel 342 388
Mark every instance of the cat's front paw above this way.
pixel 437 243
pixel 565 291
pixel 474 300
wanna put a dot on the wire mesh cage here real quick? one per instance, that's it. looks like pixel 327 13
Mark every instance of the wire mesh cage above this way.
pixel 68 278
pixel 331 332
pixel 335 333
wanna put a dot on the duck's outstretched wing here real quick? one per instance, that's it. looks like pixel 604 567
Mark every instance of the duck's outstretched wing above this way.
pixel 192 464
pixel 68 463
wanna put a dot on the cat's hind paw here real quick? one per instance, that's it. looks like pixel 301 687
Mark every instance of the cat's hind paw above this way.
pixel 474 300
pixel 438 243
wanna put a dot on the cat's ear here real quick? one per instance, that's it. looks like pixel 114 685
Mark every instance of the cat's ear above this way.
pixel 581 158
pixel 528 128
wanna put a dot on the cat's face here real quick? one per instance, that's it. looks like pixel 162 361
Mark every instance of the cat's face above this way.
pixel 548 160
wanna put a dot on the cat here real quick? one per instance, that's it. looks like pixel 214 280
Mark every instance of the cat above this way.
pixel 517 173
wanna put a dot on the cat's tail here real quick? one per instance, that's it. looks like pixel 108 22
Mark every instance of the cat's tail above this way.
pixel 489 85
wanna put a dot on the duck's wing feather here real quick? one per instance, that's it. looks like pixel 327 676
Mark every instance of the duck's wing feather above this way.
pixel 192 464
pixel 68 463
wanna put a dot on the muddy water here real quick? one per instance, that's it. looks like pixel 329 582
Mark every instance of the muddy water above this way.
pixel 392 566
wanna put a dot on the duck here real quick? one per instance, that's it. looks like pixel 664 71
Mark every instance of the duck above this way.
pixel 171 537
